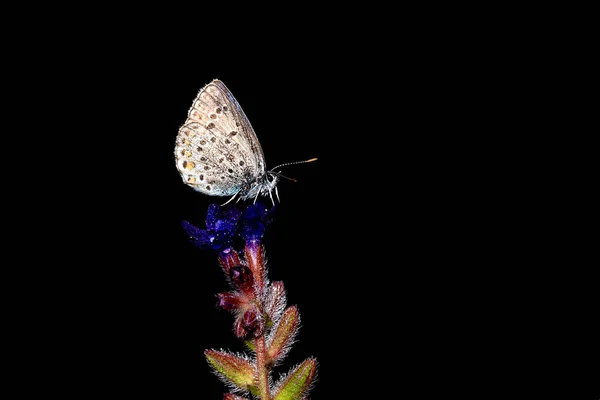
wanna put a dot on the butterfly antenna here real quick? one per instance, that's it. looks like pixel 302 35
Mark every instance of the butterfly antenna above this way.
pixel 290 163
pixel 294 162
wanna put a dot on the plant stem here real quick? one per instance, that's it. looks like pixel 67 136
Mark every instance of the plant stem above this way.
pixel 263 373
pixel 256 263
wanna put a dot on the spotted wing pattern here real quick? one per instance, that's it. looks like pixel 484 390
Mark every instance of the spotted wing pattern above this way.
pixel 216 151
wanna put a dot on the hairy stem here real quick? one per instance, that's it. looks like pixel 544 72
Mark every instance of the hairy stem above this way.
pixel 256 263
pixel 263 373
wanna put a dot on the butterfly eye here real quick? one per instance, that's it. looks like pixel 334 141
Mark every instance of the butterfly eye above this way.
pixel 270 178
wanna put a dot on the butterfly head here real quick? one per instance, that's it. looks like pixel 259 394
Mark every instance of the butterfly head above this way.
pixel 269 183
pixel 271 180
pixel 264 185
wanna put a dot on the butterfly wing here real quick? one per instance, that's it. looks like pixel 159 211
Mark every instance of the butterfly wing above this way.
pixel 216 150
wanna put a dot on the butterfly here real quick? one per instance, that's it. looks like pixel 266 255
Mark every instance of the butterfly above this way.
pixel 217 152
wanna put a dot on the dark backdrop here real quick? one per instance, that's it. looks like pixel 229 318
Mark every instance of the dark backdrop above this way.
pixel 410 247
pixel 361 240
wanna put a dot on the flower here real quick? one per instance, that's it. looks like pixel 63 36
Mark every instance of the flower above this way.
pixel 225 225
pixel 261 316
pixel 221 227
pixel 254 221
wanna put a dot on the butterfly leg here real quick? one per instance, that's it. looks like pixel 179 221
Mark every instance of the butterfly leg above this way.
pixel 271 196
pixel 232 197
pixel 277 195
pixel 257 193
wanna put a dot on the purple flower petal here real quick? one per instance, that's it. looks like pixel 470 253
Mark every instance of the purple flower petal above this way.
pixel 213 214
pixel 256 218
pixel 223 225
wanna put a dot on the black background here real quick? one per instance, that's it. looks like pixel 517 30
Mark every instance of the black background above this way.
pixel 411 247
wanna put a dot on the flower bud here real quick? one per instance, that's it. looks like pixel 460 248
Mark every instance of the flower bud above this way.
pixel 229 300
pixel 238 328
pixel 250 323
pixel 241 278
pixel 253 323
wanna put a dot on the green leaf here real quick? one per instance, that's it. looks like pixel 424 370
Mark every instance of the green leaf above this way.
pixel 230 396
pixel 232 369
pixel 249 343
pixel 284 335
pixel 297 383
